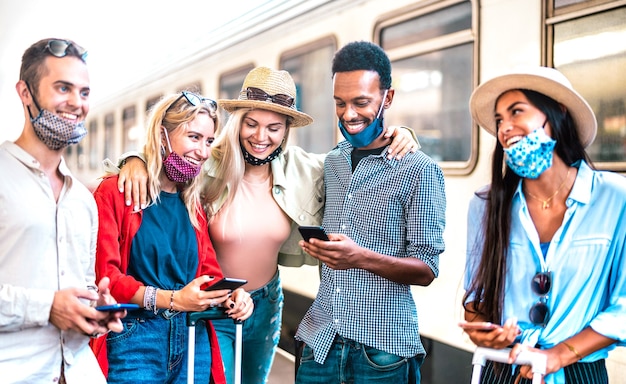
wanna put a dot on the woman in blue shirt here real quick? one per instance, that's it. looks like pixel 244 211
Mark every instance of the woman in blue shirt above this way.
pixel 547 262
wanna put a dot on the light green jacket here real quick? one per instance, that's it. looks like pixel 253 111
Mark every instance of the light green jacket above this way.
pixel 298 190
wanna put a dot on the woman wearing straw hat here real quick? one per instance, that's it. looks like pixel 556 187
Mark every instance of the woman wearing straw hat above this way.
pixel 547 264
pixel 257 193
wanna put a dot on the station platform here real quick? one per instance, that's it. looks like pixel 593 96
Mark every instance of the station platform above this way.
pixel 282 371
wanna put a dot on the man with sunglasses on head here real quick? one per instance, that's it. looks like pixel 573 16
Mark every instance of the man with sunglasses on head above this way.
pixel 49 228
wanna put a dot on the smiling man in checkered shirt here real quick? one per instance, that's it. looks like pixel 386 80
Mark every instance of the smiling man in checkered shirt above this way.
pixel 385 219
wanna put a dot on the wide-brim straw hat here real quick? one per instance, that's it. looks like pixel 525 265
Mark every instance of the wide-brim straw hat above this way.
pixel 545 80
pixel 272 82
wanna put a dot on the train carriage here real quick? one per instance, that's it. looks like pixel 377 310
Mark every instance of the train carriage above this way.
pixel 440 50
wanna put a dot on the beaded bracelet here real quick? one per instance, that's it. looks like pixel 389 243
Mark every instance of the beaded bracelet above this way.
pixel 172 301
pixel 149 299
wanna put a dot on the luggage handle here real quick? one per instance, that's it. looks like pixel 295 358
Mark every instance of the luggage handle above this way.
pixel 212 313
pixel 536 360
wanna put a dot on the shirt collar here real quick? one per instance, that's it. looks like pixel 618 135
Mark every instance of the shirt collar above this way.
pixel 581 191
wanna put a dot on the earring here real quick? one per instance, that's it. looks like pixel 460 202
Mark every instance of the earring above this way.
pixel 162 151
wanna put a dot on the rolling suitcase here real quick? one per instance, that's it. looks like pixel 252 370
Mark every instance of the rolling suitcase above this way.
pixel 537 361
pixel 212 314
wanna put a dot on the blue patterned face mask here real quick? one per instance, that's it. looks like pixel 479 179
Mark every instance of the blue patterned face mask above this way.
pixel 370 133
pixel 532 155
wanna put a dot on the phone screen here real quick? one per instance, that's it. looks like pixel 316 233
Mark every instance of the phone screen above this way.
pixel 227 283
pixel 316 232
pixel 117 307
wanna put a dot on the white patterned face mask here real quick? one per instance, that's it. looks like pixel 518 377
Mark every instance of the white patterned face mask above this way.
pixel 532 155
pixel 55 132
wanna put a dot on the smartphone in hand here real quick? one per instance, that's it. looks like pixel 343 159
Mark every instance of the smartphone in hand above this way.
pixel 478 326
pixel 316 232
pixel 227 283
pixel 117 307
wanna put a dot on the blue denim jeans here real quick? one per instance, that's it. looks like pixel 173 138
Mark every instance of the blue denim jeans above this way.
pixel 352 362
pixel 153 349
pixel 261 333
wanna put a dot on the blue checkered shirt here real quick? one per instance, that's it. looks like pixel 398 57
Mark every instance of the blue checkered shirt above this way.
pixel 391 207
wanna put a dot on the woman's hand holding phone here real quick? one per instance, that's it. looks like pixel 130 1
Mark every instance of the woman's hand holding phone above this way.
pixel 486 334
pixel 478 326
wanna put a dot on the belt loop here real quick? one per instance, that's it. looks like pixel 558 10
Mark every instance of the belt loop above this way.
pixel 168 314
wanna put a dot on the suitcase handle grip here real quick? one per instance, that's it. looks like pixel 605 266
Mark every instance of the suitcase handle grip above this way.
pixel 212 313
pixel 536 360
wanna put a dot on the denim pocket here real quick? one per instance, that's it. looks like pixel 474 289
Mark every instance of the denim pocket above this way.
pixel 130 326
pixel 382 360
pixel 307 354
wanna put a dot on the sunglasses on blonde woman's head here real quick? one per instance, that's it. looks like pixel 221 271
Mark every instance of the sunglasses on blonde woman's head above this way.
pixel 540 284
pixel 253 93
pixel 195 100
pixel 58 48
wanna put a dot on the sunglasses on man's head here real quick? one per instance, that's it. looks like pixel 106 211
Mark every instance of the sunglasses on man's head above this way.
pixel 253 93
pixel 540 284
pixel 58 48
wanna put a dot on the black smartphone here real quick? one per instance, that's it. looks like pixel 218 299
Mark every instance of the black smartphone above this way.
pixel 117 307
pixel 227 283
pixel 316 232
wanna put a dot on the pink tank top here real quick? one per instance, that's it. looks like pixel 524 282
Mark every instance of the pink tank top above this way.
pixel 248 233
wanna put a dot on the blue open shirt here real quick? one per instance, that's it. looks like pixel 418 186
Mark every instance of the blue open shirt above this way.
pixel 587 258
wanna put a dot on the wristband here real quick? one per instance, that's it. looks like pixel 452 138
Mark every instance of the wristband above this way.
pixel 573 350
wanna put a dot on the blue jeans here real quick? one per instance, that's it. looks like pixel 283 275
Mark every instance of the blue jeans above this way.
pixel 261 333
pixel 153 349
pixel 352 362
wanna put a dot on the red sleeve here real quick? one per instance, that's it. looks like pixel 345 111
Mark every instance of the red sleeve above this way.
pixel 207 261
pixel 118 225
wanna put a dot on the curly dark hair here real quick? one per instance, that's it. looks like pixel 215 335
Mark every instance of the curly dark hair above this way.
pixel 363 55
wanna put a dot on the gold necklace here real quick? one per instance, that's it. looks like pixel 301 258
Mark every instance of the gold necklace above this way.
pixel 546 203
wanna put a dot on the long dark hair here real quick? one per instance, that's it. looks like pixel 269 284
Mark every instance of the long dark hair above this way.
pixel 486 289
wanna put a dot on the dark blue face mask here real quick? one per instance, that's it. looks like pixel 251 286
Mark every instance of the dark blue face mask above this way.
pixel 368 134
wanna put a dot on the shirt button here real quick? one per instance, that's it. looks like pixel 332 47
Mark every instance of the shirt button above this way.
pixel 276 190
pixel 301 217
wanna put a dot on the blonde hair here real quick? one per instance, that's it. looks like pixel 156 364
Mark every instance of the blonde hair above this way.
pixel 173 112
pixel 228 160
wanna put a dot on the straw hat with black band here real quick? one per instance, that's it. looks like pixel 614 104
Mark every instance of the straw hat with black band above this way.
pixel 272 82
pixel 545 80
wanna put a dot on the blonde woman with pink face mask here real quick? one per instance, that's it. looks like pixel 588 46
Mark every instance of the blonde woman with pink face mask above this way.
pixel 161 258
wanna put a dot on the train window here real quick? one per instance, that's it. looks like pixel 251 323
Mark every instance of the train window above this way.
pixel 311 70
pixel 94 158
pixel 132 133
pixel 432 65
pixel 565 3
pixel 150 103
pixel 586 49
pixel 109 135
pixel 195 87
pixel 230 86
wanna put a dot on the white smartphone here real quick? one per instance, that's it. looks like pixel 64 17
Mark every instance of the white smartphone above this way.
pixel 478 325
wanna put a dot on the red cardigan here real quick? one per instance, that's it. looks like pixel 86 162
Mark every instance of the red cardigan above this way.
pixel 118 226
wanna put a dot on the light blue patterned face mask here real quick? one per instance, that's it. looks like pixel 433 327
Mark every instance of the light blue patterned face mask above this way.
pixel 532 155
